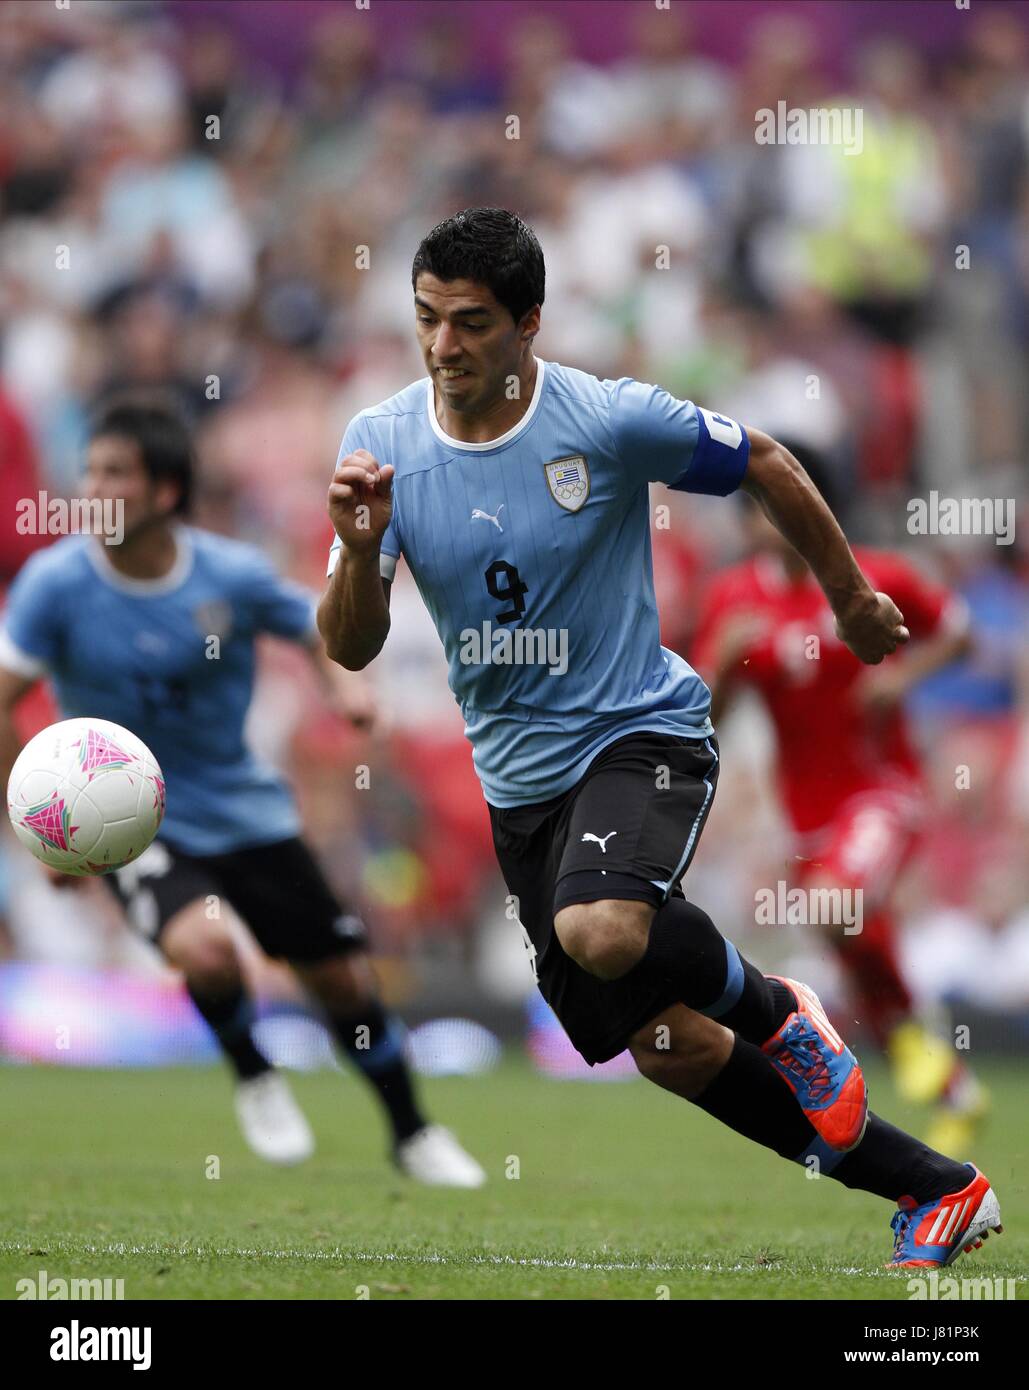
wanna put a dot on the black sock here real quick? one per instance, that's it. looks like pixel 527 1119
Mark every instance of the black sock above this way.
pixel 893 1164
pixel 230 1017
pixel 750 1096
pixel 373 1042
pixel 709 974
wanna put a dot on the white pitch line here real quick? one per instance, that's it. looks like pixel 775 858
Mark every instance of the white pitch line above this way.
pixel 421 1258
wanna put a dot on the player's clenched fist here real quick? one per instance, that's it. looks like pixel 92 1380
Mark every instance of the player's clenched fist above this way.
pixel 361 500
pixel 874 630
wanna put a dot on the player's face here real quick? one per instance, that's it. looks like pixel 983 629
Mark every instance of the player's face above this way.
pixel 115 471
pixel 471 344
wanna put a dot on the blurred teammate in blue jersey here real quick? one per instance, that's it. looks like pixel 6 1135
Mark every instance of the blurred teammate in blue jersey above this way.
pixel 517 492
pixel 158 633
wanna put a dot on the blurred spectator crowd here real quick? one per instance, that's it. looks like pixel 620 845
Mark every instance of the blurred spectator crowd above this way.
pixel 178 214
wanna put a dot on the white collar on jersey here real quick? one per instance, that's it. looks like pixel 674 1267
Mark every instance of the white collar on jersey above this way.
pixel 182 567
pixel 512 433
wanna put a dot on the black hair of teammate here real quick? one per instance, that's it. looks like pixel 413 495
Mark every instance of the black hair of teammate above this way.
pixel 494 248
pixel 818 468
pixel 162 438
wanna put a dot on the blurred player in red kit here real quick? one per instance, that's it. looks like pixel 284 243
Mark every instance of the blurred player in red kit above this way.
pixel 847 771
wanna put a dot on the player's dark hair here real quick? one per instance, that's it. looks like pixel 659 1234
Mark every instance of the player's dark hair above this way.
pixel 162 439
pixel 492 247
pixel 818 470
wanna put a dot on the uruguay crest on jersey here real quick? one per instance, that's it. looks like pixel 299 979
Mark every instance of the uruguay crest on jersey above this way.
pixel 569 481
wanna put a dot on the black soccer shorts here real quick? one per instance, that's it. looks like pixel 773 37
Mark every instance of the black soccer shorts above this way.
pixel 278 890
pixel 627 829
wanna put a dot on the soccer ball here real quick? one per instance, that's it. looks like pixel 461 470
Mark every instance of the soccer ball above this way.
pixel 86 796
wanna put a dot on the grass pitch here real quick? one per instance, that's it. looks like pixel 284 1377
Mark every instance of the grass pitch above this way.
pixel 622 1192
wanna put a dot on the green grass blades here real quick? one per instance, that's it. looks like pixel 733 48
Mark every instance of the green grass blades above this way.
pixel 597 1191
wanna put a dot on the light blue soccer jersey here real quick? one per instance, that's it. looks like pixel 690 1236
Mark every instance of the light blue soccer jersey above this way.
pixel 140 653
pixel 532 554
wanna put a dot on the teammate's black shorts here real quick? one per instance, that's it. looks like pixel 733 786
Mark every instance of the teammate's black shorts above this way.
pixel 278 890
pixel 627 829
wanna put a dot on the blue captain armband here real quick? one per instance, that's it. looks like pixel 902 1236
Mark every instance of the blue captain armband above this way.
pixel 719 459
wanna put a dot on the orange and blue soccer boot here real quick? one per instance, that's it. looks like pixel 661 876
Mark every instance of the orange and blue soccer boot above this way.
pixel 820 1070
pixel 935 1233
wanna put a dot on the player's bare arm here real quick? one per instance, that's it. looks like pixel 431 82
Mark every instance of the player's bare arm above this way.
pixel 869 623
pixel 353 616
pixel 348 694
pixel 12 688
pixel 736 637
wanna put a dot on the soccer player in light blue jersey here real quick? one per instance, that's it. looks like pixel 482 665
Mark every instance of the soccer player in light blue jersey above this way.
pixel 157 633
pixel 517 492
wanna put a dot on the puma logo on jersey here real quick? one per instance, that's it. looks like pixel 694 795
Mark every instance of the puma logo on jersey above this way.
pixel 597 840
pixel 479 515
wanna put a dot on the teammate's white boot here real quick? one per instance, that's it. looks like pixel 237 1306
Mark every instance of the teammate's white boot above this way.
pixel 433 1156
pixel 272 1123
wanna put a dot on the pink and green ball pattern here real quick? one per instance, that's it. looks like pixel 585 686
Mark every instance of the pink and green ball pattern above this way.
pixel 86 796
